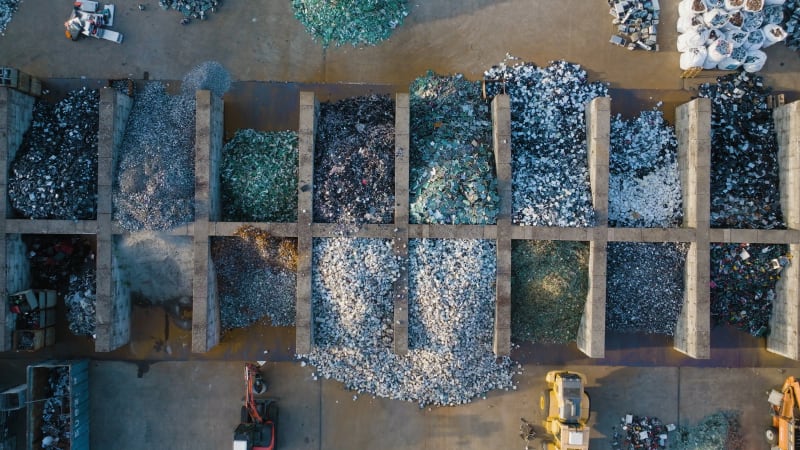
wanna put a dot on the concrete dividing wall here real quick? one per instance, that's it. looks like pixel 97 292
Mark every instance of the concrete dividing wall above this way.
pixel 17 275
pixel 400 241
pixel 592 330
pixel 113 306
pixel 785 319
pixel 693 129
pixel 501 139
pixel 307 130
pixel 209 132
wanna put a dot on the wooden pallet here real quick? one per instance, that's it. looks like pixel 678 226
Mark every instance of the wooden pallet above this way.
pixel 691 72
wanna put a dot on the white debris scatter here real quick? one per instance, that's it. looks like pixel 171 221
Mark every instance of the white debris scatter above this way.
pixel 644 188
pixel 7 10
pixel 550 173
pixel 155 185
pixel 451 310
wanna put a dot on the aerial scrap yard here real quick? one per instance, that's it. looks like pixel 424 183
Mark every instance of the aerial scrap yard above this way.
pixel 429 246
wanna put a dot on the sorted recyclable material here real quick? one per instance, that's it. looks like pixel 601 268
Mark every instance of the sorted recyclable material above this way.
pixel 354 161
pixel 81 299
pixel 452 177
pixel 190 9
pixel 54 173
pixel 54 259
pixel 55 420
pixel 640 432
pixel 636 22
pixel 744 154
pixel 355 22
pixel 743 279
pixel 259 177
pixel 791 23
pixel 718 431
pixel 550 173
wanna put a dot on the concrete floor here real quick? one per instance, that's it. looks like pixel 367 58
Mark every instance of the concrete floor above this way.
pixel 165 397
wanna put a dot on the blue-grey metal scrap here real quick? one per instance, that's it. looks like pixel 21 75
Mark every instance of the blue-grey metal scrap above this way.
pixel 38 386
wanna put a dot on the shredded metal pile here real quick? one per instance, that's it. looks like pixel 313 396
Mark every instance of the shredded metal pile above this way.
pixel 191 9
pixel 640 432
pixel 56 426
pixel 791 14
pixel 644 183
pixel 718 431
pixel 548 141
pixel 451 306
pixel 259 177
pixel 644 286
pixel 452 178
pixel 354 161
pixel 54 173
pixel 744 153
pixel 155 185
pixel 549 283
pixel 7 10
pixel 355 22
pixel 637 23
pixel 81 299
pixel 743 279
pixel 256 278
pixel 56 258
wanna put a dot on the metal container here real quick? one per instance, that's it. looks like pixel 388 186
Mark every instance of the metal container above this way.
pixel 75 403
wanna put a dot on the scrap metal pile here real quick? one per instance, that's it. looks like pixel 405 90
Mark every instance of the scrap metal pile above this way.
pixel 191 9
pixel 644 184
pixel 744 154
pixel 7 10
pixel 637 23
pixel 451 310
pixel 54 173
pixel 354 161
pixel 451 177
pixel 259 177
pixel 644 286
pixel 155 185
pixel 256 278
pixel 81 299
pixel 718 431
pixel 549 283
pixel 548 141
pixel 640 432
pixel 56 424
pixel 355 22
pixel 743 279
pixel 792 23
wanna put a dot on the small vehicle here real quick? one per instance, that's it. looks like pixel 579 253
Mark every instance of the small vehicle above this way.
pixel 259 420
pixel 566 406
pixel 785 429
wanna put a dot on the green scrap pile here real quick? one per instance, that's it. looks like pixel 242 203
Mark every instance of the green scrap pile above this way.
pixel 718 431
pixel 356 22
pixel 452 179
pixel 549 283
pixel 259 177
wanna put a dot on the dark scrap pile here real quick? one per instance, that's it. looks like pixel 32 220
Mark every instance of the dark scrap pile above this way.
pixel 255 277
pixel 259 177
pixel 7 9
pixel 549 282
pixel 56 413
pixel 637 23
pixel 743 278
pixel 452 178
pixel 744 152
pixel 81 299
pixel 55 258
pixel 54 173
pixel 191 9
pixel 791 15
pixel 644 286
pixel 355 22
pixel 354 161
pixel 718 431
pixel 640 432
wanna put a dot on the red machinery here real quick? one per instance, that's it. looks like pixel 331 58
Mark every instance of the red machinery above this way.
pixel 259 421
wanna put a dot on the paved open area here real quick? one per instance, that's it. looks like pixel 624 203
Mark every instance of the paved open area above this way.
pixel 155 393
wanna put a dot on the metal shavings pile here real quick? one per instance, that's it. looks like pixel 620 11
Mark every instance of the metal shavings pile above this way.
pixel 80 300
pixel 718 431
pixel 355 22
pixel 256 278
pixel 644 286
pixel 354 161
pixel 548 141
pixel 191 9
pixel 644 184
pixel 54 173
pixel 641 432
pixel 155 185
pixel 451 306
pixel 791 14
pixel 452 178
pixel 743 279
pixel 744 154
pixel 549 283
pixel 259 177
pixel 7 10
pixel 55 412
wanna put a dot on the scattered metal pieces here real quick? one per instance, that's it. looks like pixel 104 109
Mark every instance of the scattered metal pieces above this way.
pixel 259 177
pixel 644 183
pixel 355 22
pixel 640 432
pixel 637 23
pixel 191 9
pixel 354 161
pixel 56 258
pixel 81 299
pixel 7 10
pixel 743 279
pixel 644 286
pixel 548 141
pixel 452 177
pixel 549 283
pixel 744 154
pixel 791 15
pixel 718 431
pixel 56 421
pixel 54 173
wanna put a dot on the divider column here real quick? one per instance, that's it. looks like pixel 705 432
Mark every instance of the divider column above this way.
pixel 501 138
pixel 304 334
pixel 400 241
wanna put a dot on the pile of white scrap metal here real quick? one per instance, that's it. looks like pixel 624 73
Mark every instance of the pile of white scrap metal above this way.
pixel 91 19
